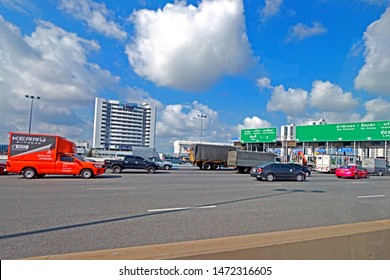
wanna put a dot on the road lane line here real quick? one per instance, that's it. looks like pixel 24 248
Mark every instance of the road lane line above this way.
pixel 371 196
pixel 118 188
pixel 180 208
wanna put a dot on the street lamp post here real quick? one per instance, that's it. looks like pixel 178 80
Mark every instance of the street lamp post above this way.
pixel 201 125
pixel 32 97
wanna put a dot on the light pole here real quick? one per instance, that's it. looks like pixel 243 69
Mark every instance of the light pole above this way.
pixel 201 125
pixel 32 97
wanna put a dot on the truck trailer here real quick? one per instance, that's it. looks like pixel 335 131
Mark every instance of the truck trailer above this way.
pixel 243 161
pixel 376 166
pixel 37 155
pixel 209 157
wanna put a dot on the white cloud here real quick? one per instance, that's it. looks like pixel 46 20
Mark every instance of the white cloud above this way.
pixel 271 8
pixel 264 83
pixel 291 102
pixel 374 75
pixel 52 64
pixel 178 120
pixel 95 15
pixel 188 47
pixel 254 122
pixel 328 97
pixel 301 31
pixel 377 109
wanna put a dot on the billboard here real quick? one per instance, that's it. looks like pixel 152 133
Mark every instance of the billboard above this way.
pixel 258 135
pixel 360 131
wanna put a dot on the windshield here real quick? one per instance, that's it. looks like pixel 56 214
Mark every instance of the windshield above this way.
pixel 81 158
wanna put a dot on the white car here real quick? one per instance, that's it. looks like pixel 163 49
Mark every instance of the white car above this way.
pixel 166 165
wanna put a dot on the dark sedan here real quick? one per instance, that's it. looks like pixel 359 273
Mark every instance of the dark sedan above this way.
pixel 3 168
pixel 301 167
pixel 277 171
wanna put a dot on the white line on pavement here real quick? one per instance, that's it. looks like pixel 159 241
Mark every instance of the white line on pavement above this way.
pixel 118 188
pixel 181 208
pixel 371 196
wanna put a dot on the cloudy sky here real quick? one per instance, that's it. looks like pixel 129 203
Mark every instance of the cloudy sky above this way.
pixel 242 63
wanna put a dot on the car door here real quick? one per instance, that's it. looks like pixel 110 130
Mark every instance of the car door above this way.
pixel 287 171
pixel 139 162
pixel 67 165
pixel 276 170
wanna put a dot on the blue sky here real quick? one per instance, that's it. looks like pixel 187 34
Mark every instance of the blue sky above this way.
pixel 244 64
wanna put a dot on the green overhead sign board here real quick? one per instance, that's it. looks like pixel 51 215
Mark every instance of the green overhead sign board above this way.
pixel 361 131
pixel 258 135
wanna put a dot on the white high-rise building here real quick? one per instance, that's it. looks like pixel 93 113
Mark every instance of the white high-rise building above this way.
pixel 121 125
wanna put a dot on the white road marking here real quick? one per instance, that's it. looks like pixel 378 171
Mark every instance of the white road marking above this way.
pixel 120 188
pixel 371 196
pixel 180 208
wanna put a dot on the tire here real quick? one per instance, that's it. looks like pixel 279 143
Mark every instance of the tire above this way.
pixel 167 167
pixel 150 170
pixel 299 177
pixel 355 176
pixel 216 166
pixel 247 170
pixel 116 169
pixel 86 173
pixel 380 173
pixel 270 177
pixel 29 173
pixel 207 166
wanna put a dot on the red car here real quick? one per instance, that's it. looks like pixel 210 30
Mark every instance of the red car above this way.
pixel 3 168
pixel 352 171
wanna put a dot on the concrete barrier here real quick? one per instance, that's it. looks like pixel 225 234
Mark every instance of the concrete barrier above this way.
pixel 359 241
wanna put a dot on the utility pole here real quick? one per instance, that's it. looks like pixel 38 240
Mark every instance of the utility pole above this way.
pixel 32 97
pixel 201 125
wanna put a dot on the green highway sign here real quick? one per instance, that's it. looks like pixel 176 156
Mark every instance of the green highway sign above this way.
pixel 258 135
pixel 359 131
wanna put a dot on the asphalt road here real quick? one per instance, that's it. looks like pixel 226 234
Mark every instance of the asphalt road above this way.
pixel 55 214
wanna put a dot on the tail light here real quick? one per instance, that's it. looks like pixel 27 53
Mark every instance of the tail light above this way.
pixel 259 170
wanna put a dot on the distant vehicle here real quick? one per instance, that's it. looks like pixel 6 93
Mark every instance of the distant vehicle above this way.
pixel 36 155
pixel 185 159
pixel 162 164
pixel 209 157
pixel 305 169
pixel 243 161
pixel 130 162
pixel 352 171
pixel 329 163
pixel 277 171
pixel 376 166
pixel 3 168
pixel 174 160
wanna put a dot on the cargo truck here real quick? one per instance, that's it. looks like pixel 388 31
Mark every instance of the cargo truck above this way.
pixel 376 166
pixel 209 157
pixel 243 161
pixel 36 155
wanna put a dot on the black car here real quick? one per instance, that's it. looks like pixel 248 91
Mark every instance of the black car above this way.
pixel 301 167
pixel 277 171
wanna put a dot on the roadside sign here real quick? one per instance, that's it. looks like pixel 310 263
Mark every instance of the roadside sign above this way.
pixel 258 135
pixel 359 131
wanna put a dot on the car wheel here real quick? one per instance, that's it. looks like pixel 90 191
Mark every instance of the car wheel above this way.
pixel 380 173
pixel 86 173
pixel 216 166
pixel 29 173
pixel 355 176
pixel 270 177
pixel 116 169
pixel 167 167
pixel 150 170
pixel 207 166
pixel 299 177
pixel 307 174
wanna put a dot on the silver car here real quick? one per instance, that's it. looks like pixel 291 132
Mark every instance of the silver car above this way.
pixel 166 165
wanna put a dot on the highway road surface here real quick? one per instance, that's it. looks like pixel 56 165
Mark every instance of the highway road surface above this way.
pixel 58 214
